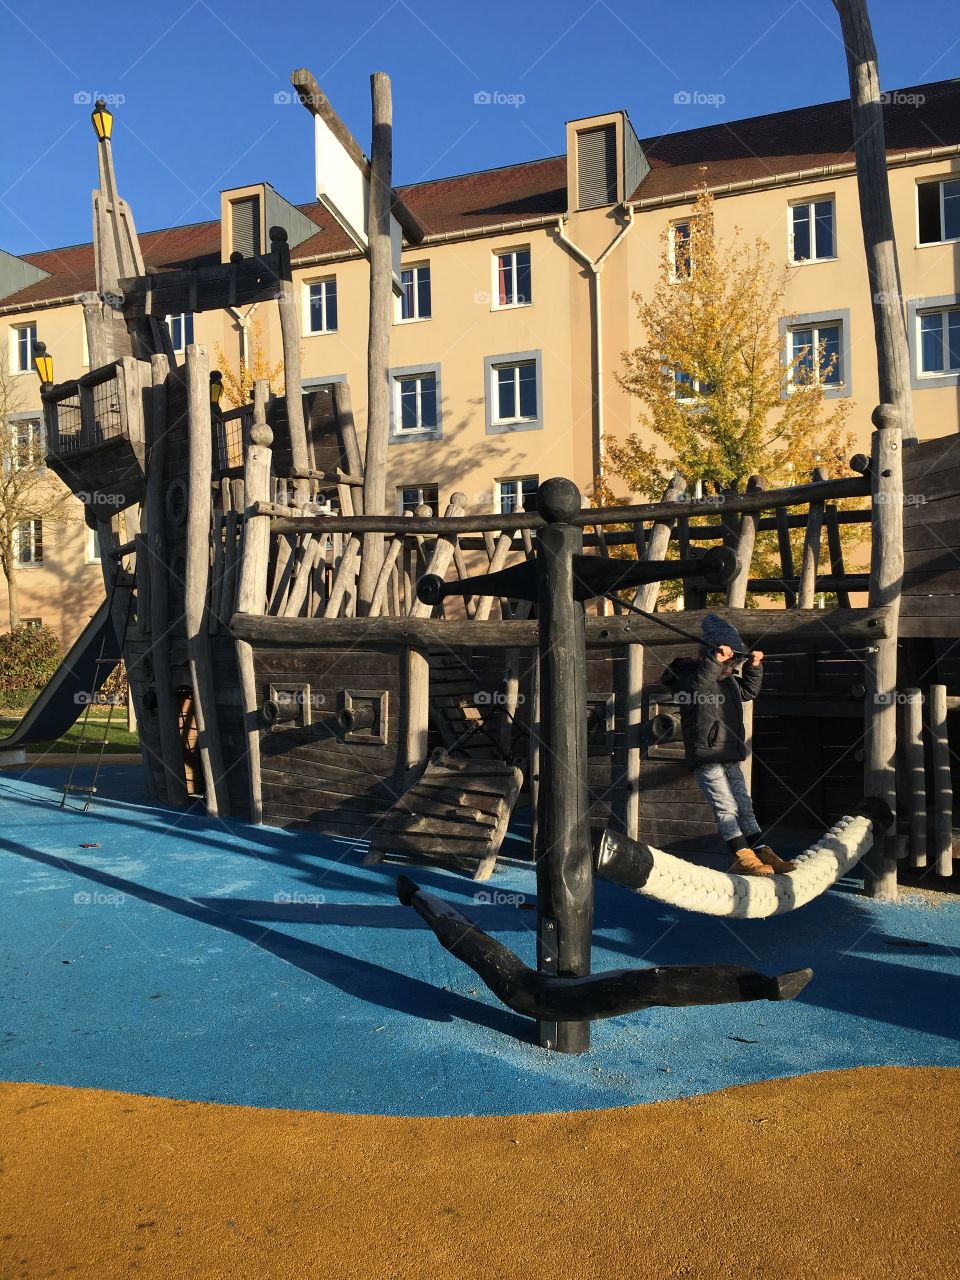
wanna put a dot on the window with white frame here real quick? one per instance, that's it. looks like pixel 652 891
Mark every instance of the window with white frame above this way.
pixel 322 305
pixel 812 233
pixel 415 302
pixel 681 261
pixel 818 351
pixel 518 493
pixel 28 544
pixel 34 623
pixel 409 497
pixel 938 211
pixel 23 338
pixel 92 548
pixel 514 391
pixel 415 402
pixel 938 334
pixel 688 389
pixel 26 442
pixel 181 330
pixel 512 284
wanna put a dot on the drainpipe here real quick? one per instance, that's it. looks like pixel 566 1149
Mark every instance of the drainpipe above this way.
pixel 595 267
pixel 242 321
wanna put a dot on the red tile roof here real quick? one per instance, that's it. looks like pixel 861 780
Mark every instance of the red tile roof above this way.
pixel 927 115
pixel 923 117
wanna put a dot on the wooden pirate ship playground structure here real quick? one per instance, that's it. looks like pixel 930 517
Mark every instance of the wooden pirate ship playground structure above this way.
pixel 406 681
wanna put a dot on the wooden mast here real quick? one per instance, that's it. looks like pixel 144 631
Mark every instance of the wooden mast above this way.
pixel 893 419
pixel 378 350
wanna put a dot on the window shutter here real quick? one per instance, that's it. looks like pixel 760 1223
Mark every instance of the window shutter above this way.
pixel 597 167
pixel 245 228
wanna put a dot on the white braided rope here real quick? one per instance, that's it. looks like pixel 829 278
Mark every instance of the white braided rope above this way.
pixel 718 893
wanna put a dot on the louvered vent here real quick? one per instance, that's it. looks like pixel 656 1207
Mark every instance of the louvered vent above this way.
pixel 597 167
pixel 245 226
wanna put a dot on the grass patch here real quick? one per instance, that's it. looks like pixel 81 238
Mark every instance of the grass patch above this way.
pixel 119 739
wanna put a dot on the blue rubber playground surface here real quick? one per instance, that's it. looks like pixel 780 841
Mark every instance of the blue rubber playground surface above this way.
pixel 197 959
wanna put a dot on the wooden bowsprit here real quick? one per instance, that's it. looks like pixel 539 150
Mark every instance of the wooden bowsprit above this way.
pixel 559 579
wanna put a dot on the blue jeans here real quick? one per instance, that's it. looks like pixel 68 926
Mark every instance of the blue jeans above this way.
pixel 726 790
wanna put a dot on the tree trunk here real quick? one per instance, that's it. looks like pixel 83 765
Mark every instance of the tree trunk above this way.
pixel 13 590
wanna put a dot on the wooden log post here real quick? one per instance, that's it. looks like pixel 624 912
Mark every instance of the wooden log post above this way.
pixel 171 752
pixel 831 518
pixel 811 550
pixel 880 666
pixel 252 596
pixel 915 775
pixel 631 715
pixel 942 781
pixel 378 348
pixel 786 554
pixel 261 398
pixel 876 216
pixel 289 309
pixel 199 515
pixel 737 599
pixel 564 863
pixel 343 408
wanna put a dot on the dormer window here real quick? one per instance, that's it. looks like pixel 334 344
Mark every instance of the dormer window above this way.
pixel 597 167
pixel 245 226
pixel 605 161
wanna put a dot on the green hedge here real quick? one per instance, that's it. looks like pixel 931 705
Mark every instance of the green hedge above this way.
pixel 28 658
pixel 14 699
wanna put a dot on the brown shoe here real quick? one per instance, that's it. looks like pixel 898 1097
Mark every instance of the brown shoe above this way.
pixel 746 863
pixel 767 856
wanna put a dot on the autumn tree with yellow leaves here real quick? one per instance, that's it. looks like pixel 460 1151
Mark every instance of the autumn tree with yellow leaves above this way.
pixel 710 374
pixel 238 384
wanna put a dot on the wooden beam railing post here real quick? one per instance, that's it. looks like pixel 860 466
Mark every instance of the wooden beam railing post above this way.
pixel 880 666
pixel 656 545
pixel 171 752
pixel 289 307
pixel 942 780
pixel 199 514
pixel 811 550
pixel 252 594
pixel 915 779
pixel 737 599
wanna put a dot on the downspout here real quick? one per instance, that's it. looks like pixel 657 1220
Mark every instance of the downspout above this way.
pixel 595 267
pixel 242 322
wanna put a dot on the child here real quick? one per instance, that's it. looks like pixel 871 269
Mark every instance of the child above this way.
pixel 711 697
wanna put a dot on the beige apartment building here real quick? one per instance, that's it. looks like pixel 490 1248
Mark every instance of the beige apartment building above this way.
pixel 518 303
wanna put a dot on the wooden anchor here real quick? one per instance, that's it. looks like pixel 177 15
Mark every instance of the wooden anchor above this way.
pixel 559 579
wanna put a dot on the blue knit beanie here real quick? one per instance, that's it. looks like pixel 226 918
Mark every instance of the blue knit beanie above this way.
pixel 717 631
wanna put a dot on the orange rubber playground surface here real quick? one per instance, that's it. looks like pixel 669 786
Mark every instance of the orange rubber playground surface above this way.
pixel 230 1052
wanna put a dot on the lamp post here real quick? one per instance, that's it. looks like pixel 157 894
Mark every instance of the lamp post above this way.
pixel 43 364
pixel 102 120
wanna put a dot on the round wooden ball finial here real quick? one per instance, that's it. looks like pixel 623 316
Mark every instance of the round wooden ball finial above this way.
pixel 260 433
pixel 278 233
pixel 558 500
pixel 886 416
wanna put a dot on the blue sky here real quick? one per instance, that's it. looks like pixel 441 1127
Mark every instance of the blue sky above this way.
pixel 196 83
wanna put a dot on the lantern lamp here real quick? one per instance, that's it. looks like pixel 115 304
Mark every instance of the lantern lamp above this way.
pixel 102 120
pixel 42 363
pixel 216 388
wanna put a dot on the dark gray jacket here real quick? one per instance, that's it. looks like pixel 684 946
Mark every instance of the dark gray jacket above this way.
pixel 711 710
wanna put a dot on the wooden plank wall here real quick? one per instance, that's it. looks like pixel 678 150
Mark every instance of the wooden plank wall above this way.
pixel 313 777
pixel 930 606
